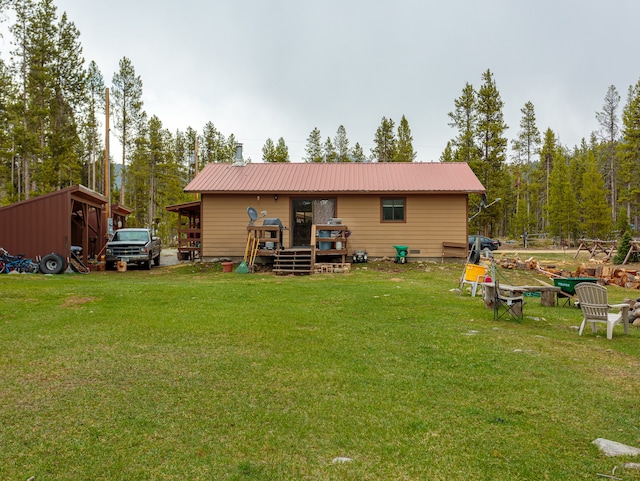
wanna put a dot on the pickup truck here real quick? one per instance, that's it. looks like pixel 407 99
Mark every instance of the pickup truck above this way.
pixel 133 246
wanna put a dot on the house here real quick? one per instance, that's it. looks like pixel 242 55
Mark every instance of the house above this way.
pixel 418 205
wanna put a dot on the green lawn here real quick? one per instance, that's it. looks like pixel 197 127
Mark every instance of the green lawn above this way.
pixel 188 373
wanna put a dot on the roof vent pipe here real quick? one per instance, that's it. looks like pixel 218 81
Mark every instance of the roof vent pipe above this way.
pixel 239 161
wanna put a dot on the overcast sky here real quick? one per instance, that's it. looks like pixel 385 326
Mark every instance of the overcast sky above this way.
pixel 278 68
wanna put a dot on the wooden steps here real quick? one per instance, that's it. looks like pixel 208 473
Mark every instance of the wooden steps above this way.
pixel 293 261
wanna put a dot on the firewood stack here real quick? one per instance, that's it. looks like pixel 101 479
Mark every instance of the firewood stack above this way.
pixel 634 311
pixel 609 275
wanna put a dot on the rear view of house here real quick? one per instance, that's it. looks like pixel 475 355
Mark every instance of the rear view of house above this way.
pixel 418 205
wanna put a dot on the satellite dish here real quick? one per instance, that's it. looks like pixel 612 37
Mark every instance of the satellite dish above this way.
pixel 253 215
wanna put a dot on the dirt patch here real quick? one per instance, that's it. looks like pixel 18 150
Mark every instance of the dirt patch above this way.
pixel 75 302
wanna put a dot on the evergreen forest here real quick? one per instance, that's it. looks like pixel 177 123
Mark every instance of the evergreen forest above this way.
pixel 53 111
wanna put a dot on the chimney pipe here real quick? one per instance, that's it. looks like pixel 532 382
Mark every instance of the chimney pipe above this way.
pixel 239 161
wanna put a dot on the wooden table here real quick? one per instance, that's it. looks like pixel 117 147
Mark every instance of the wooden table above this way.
pixel 548 297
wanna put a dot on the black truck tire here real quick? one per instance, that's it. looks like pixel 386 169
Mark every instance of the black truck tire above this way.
pixel 52 264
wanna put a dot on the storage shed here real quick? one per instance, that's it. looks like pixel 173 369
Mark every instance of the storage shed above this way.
pixel 54 222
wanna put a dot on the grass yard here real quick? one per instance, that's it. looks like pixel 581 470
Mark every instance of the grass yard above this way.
pixel 188 373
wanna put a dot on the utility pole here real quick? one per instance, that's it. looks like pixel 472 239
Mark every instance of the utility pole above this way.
pixel 107 169
pixel 195 162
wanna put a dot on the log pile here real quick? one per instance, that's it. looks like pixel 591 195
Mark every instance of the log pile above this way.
pixel 608 275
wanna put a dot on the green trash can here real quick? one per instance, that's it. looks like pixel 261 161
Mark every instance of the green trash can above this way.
pixel 401 254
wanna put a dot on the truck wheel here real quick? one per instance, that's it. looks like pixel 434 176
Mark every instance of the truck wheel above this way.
pixel 110 266
pixel 146 265
pixel 156 260
pixel 52 264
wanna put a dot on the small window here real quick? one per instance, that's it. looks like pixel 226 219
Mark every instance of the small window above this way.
pixel 393 210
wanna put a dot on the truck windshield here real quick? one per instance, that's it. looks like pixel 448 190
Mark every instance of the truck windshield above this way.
pixel 135 236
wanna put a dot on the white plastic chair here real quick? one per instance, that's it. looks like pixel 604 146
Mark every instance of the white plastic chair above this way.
pixel 595 308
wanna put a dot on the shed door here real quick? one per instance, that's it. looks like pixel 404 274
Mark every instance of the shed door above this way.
pixel 306 212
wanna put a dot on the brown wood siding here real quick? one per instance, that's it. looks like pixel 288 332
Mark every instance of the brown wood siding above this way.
pixel 225 220
pixel 430 220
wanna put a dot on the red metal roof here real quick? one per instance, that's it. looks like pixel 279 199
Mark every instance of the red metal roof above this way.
pixel 454 177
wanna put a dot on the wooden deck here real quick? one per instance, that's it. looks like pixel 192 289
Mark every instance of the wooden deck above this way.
pixel 328 247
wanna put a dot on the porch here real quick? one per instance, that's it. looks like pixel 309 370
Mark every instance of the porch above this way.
pixel 328 247
pixel 189 232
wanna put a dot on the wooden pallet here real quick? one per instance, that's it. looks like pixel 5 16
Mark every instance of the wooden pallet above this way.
pixel 329 268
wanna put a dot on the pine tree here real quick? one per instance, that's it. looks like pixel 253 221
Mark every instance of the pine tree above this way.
pixel 563 207
pixel 464 119
pixel 329 151
pixel 527 148
pixel 281 151
pixel 629 151
pixel 491 127
pixel 609 132
pixel 490 137
pixel 404 149
pixel 31 62
pixel 156 155
pixel 70 93
pixel 137 179
pixel 543 175
pixel 313 150
pixel 171 178
pixel 6 136
pixel 447 153
pixel 90 131
pixel 341 144
pixel 213 145
pixel 192 151
pixel 229 149
pixel 269 151
pixel 179 149
pixel 357 154
pixel 127 111
pixel 69 71
pixel 623 249
pixel 156 175
pixel 528 142
pixel 596 217
pixel 385 142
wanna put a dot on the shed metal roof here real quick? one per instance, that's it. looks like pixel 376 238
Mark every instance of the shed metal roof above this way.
pixel 78 192
pixel 450 177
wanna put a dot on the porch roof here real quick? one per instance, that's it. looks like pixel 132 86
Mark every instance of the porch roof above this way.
pixel 453 177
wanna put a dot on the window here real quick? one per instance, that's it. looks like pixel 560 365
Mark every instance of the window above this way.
pixel 393 210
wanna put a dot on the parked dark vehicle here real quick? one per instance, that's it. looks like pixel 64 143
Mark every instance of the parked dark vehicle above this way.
pixel 485 243
pixel 135 246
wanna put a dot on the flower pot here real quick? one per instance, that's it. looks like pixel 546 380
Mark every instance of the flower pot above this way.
pixel 227 267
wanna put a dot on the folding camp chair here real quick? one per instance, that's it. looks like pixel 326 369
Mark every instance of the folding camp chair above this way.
pixel 507 303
